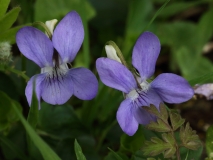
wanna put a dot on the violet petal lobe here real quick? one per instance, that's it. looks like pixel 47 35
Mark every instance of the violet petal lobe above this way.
pixel 172 88
pixel 145 54
pixel 142 116
pixel 153 98
pixel 125 117
pixel 115 75
pixel 68 36
pixel 85 83
pixel 57 90
pixel 37 80
pixel 35 45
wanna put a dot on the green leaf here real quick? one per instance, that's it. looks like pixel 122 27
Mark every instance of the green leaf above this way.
pixel 176 120
pixel 156 14
pixel 176 7
pixel 182 34
pixel 152 109
pixel 186 153
pixel 169 139
pixel 11 90
pixel 209 142
pixel 189 138
pixel 115 155
pixel 140 156
pixel 3 7
pixel 60 121
pixel 139 14
pixel 201 79
pixel 78 151
pixel 46 151
pixel 162 114
pixel 157 146
pixel 133 143
pixel 7 21
pixel 10 34
pixel 7 114
pixel 204 30
pixel 32 118
pixel 44 9
pixel 159 126
pixel 14 149
pixel 199 65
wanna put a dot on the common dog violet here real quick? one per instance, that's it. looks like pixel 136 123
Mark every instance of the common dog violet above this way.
pixel 166 87
pixel 57 83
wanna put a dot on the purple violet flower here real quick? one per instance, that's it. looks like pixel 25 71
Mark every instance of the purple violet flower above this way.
pixel 57 83
pixel 166 87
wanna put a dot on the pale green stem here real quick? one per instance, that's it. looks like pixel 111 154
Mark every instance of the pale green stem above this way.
pixel 13 70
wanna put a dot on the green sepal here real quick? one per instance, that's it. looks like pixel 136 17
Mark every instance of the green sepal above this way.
pixel 41 24
pixel 176 120
pixel 157 146
pixel 189 138
pixel 78 151
pixel 3 7
pixel 8 19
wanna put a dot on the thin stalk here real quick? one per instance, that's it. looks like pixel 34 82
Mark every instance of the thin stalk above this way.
pixel 45 28
pixel 13 70
pixel 177 147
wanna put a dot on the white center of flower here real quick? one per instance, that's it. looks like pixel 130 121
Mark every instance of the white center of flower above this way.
pixel 135 93
pixel 55 71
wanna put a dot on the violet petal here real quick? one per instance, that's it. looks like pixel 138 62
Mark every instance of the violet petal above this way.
pixel 153 97
pixel 115 75
pixel 57 90
pixel 35 45
pixel 39 78
pixel 145 54
pixel 85 83
pixel 172 88
pixel 125 117
pixel 142 116
pixel 68 36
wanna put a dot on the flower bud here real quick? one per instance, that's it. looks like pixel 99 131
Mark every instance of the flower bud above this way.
pixel 5 52
pixel 111 53
pixel 51 25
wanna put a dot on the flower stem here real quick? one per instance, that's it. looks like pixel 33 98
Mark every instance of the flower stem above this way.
pixel 177 148
pixel 6 68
